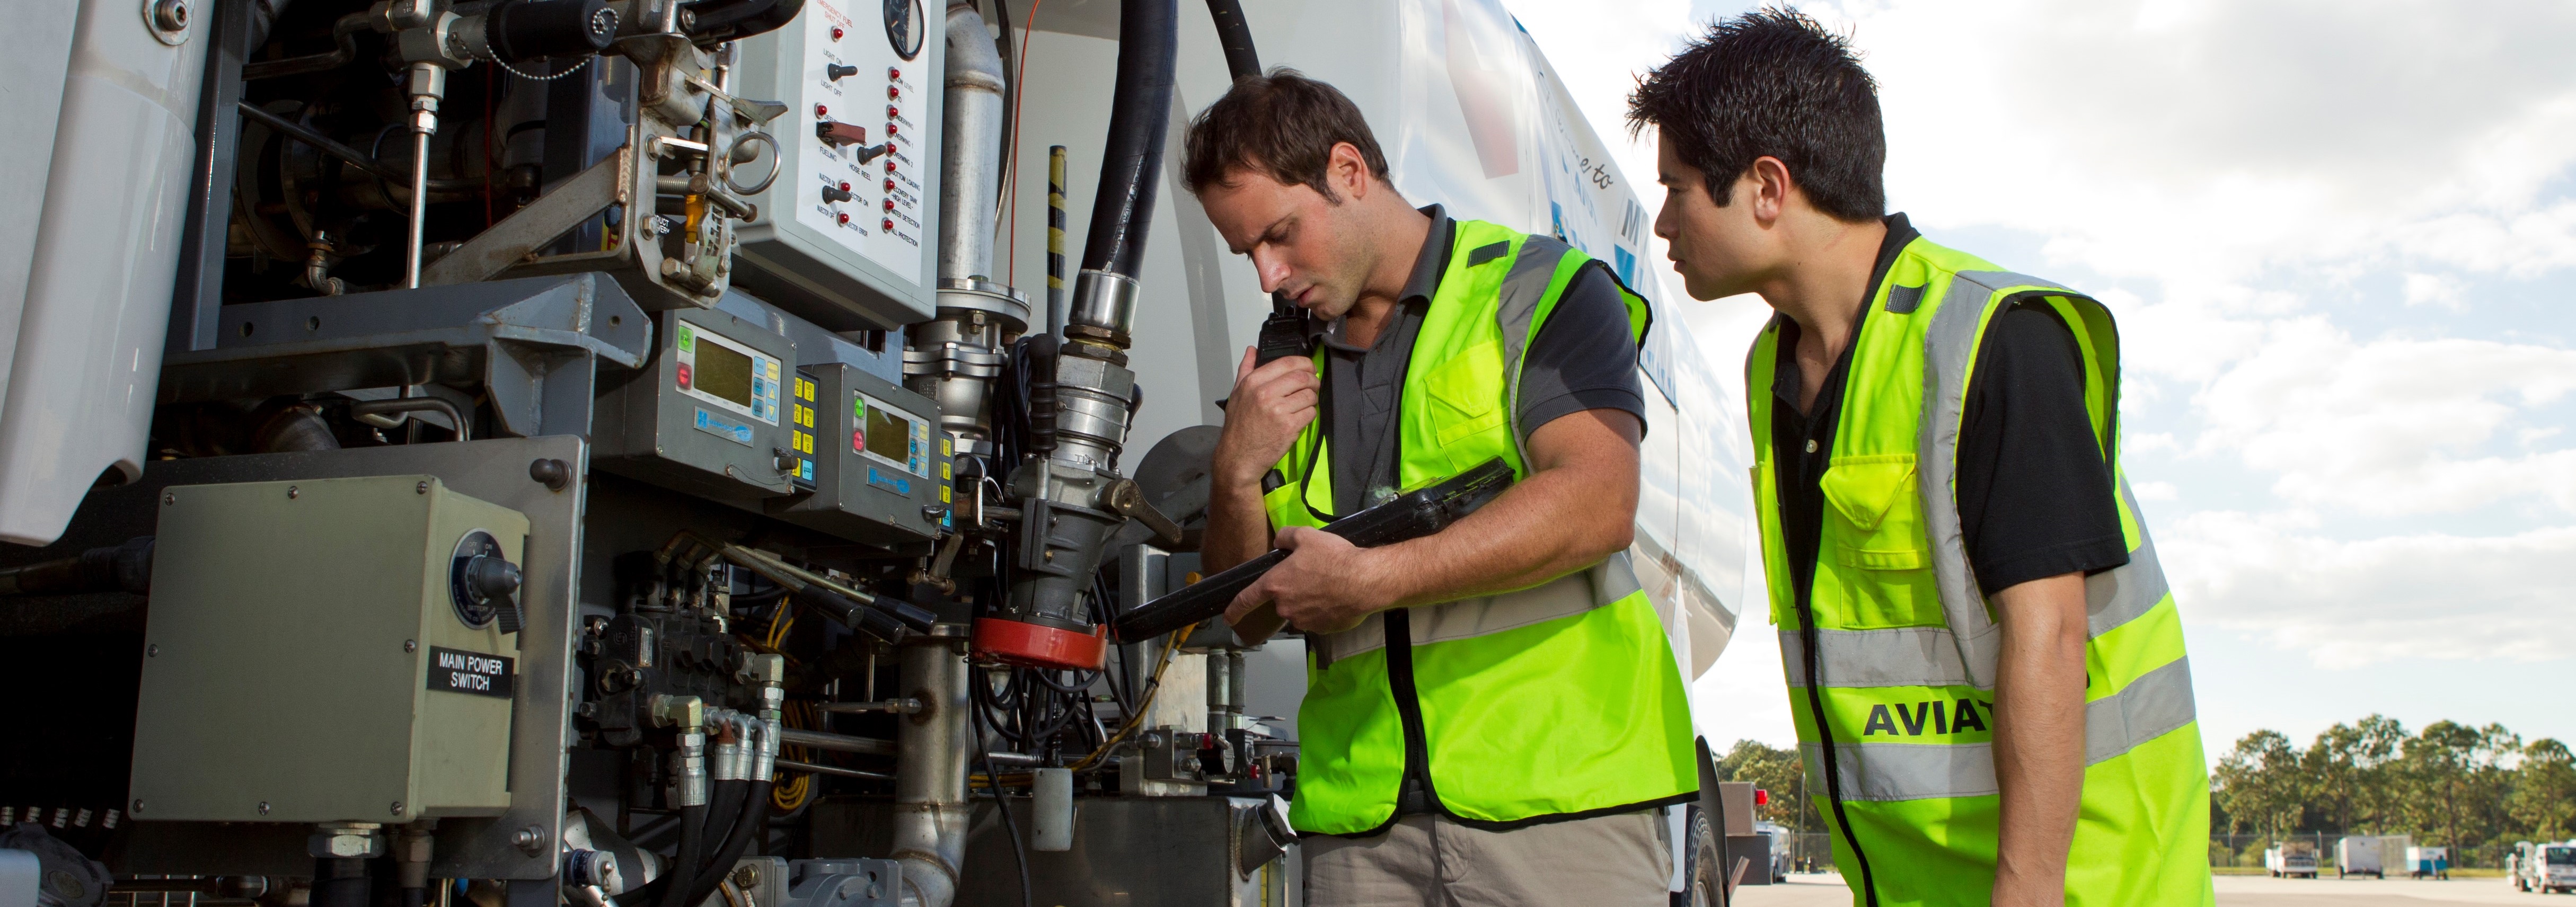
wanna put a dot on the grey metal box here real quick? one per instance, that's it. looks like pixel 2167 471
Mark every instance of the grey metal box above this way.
pixel 868 260
pixel 707 415
pixel 881 464
pixel 305 660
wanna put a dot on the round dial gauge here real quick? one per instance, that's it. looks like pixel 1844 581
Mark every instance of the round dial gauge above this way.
pixel 905 27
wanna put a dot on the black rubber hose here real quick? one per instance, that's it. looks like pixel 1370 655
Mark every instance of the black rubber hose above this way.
pixel 340 882
pixel 753 823
pixel 1131 160
pixel 724 820
pixel 1235 35
pixel 683 866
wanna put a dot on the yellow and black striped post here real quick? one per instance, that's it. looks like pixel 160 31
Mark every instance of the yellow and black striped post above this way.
pixel 1055 239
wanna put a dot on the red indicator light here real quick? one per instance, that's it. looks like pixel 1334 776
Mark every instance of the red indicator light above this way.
pixel 889 129
pixel 889 165
pixel 893 93
pixel 821 111
pixel 845 187
pixel 889 204
pixel 836 33
pixel 859 440
pixel 893 111
pixel 1761 797
pixel 889 225
pixel 889 185
pixel 684 376
pixel 845 218
pixel 893 74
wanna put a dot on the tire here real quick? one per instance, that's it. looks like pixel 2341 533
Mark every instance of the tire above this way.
pixel 1701 859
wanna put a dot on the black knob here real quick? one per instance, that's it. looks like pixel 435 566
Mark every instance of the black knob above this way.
pixel 836 71
pixel 835 194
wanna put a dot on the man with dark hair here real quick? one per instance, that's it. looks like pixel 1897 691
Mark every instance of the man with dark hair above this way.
pixel 1983 660
pixel 1493 715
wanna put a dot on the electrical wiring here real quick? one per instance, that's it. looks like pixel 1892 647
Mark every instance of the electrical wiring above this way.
pixel 1132 720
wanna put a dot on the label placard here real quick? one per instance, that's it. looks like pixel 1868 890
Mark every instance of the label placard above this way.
pixel 458 671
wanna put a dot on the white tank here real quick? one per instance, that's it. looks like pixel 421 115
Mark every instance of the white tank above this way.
pixel 89 317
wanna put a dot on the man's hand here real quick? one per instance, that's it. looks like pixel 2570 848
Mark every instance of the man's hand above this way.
pixel 1325 586
pixel 1267 409
pixel 2039 737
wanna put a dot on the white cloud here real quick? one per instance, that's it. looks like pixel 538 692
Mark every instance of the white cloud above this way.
pixel 2353 603
pixel 2201 140
pixel 2156 491
pixel 2435 290
pixel 2391 426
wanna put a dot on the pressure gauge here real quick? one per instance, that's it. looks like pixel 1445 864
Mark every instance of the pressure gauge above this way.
pixel 905 27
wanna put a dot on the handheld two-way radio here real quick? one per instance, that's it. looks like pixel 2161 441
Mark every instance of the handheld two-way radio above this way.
pixel 1284 333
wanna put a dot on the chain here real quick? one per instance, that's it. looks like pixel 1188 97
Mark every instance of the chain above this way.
pixel 505 67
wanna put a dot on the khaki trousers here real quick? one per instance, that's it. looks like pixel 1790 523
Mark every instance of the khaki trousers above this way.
pixel 1623 860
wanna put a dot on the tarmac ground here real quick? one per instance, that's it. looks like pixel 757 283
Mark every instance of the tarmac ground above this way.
pixel 1826 890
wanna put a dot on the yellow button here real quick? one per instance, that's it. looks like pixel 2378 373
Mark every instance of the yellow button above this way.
pixel 943 494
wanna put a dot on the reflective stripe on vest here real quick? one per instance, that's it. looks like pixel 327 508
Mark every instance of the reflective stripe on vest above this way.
pixel 1906 647
pixel 1549 702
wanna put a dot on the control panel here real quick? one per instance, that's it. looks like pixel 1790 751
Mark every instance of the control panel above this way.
pixel 846 234
pixel 710 416
pixel 881 466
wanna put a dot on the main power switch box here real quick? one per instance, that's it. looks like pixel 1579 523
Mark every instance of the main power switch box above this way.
pixel 881 465
pixel 328 650
pixel 846 235
pixel 709 415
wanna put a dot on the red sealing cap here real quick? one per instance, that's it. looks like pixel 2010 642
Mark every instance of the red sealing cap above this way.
pixel 1037 646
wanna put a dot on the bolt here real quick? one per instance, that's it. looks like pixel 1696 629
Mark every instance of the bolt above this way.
pixel 411 645
pixel 138 805
pixel 531 839
pixel 422 488
pixel 152 651
pixel 747 877
pixel 552 473
pixel 170 15
pixel 263 807
pixel 397 807
pixel 292 492
pixel 169 499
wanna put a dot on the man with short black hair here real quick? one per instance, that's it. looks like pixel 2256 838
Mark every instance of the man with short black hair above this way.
pixel 1493 715
pixel 1984 662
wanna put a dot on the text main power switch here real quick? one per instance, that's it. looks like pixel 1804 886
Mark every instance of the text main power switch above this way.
pixel 329 650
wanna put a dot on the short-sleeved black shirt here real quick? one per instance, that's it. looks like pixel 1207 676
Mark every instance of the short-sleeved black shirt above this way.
pixel 2034 492
pixel 1583 358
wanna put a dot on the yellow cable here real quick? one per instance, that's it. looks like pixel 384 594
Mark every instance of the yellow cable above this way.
pixel 1153 686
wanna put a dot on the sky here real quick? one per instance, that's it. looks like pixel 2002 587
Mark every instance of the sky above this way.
pixel 2338 239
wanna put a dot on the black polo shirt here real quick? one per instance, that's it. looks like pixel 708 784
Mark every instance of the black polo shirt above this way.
pixel 1583 358
pixel 2034 493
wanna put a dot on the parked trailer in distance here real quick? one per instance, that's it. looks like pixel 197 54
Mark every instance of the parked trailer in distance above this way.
pixel 2428 861
pixel 2294 859
pixel 2358 855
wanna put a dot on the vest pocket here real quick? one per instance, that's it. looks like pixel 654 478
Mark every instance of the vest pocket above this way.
pixel 1874 517
pixel 1466 393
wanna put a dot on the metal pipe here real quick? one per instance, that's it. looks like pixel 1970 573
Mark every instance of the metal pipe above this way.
pixel 391 405
pixel 970 158
pixel 930 768
pixel 838 743
pixel 426 83
pixel 792 765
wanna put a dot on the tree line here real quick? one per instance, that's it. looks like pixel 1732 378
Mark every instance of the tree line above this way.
pixel 2474 789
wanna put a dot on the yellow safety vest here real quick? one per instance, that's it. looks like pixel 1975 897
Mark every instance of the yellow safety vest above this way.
pixel 1553 702
pixel 1897 647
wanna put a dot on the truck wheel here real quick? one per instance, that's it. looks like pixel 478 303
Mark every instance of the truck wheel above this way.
pixel 1703 875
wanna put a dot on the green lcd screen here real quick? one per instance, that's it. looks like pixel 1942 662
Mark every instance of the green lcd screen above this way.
pixel 722 372
pixel 889 435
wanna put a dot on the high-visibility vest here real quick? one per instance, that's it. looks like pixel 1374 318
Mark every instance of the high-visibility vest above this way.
pixel 1897 647
pixel 1553 702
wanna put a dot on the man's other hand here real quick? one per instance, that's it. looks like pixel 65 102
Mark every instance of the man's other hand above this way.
pixel 1326 585
pixel 1269 406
